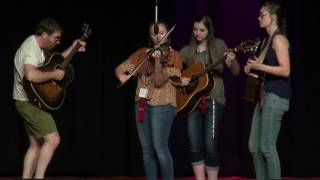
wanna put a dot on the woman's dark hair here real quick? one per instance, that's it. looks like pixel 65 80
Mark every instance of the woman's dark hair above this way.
pixel 48 25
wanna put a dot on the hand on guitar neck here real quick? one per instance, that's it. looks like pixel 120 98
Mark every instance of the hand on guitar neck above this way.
pixel 254 62
pixel 78 45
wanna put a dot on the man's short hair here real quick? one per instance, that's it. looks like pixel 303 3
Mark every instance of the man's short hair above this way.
pixel 48 25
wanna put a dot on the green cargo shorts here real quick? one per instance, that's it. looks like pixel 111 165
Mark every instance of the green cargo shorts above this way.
pixel 38 123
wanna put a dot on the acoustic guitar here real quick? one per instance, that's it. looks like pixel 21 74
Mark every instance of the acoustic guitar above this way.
pixel 50 95
pixel 202 80
pixel 253 83
pixel 255 79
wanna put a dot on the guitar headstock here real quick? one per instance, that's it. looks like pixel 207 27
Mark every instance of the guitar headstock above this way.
pixel 86 31
pixel 248 46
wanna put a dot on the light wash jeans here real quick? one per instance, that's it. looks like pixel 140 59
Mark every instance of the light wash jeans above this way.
pixel 264 133
pixel 154 134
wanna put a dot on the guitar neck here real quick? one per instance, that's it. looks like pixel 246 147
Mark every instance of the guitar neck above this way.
pixel 75 48
pixel 245 46
pixel 213 65
pixel 70 55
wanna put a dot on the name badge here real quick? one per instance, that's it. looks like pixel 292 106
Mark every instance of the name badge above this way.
pixel 143 92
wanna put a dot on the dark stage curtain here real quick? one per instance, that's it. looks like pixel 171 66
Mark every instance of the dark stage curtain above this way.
pixel 97 123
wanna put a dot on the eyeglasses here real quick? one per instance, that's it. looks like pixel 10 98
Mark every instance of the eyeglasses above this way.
pixel 56 38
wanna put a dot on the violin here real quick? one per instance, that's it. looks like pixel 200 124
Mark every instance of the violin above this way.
pixel 165 54
pixel 164 49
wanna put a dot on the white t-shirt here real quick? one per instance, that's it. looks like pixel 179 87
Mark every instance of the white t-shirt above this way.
pixel 28 53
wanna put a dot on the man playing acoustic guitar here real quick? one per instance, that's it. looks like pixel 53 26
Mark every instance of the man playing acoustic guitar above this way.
pixel 39 124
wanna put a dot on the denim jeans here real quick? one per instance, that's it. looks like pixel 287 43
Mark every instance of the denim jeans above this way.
pixel 154 134
pixel 203 134
pixel 264 133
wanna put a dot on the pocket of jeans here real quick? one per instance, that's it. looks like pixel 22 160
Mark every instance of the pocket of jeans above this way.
pixel 285 105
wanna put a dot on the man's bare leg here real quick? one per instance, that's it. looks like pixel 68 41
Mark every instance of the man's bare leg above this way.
pixel 51 141
pixel 31 158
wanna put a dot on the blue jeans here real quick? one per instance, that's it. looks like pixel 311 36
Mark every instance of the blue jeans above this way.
pixel 264 133
pixel 154 134
pixel 203 134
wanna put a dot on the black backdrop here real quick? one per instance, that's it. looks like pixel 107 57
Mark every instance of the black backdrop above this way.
pixel 96 122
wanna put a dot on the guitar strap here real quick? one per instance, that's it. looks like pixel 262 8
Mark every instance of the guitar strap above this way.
pixel 47 54
pixel 261 59
pixel 203 104
pixel 264 50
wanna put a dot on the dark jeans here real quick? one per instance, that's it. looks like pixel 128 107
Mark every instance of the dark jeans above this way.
pixel 154 134
pixel 203 134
